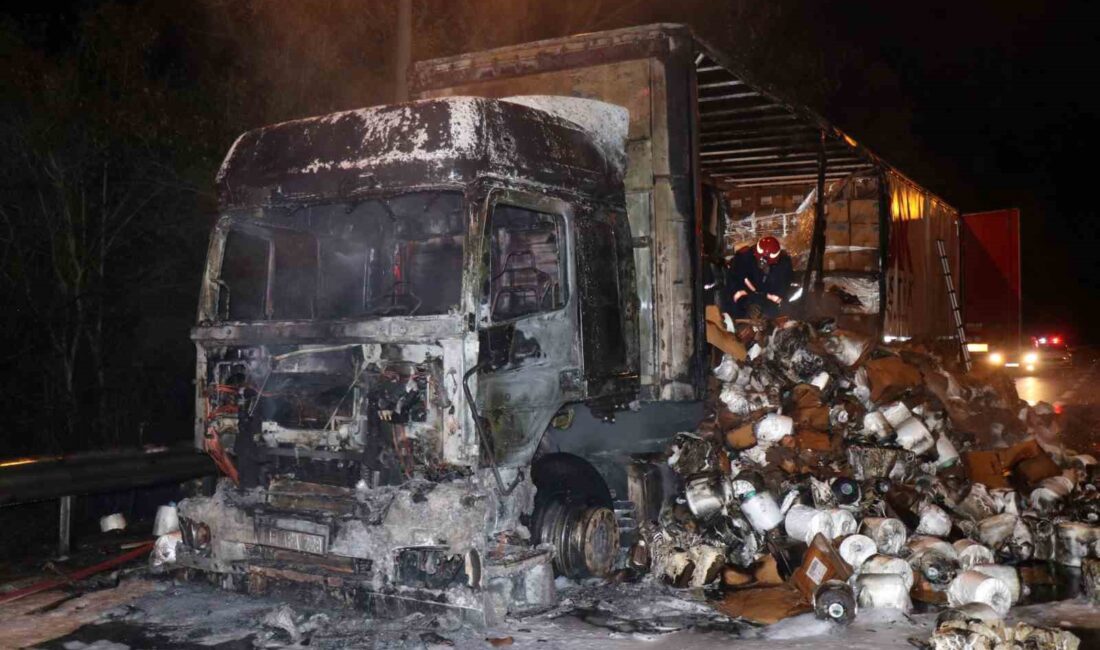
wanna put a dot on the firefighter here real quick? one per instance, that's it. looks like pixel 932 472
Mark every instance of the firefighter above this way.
pixel 758 280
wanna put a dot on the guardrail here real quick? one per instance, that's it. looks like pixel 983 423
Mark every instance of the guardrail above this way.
pixel 28 480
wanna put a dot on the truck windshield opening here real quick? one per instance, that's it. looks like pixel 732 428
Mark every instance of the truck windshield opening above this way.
pixel 399 255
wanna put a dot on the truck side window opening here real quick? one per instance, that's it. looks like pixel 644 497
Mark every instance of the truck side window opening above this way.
pixel 525 262
pixel 243 276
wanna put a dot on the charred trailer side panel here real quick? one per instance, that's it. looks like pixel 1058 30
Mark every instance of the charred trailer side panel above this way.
pixel 650 72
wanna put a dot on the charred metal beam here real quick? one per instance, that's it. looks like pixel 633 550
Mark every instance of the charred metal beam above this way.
pixel 811 165
pixel 783 155
pixel 816 262
pixel 728 96
pixel 767 141
pixel 729 83
pixel 746 110
pixel 754 180
pixel 761 123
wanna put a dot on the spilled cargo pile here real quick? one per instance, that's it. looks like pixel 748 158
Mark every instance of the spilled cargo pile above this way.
pixel 836 475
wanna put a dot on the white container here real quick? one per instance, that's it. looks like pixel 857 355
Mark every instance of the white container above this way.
pixel 927 543
pixel 843 522
pixel 878 564
pixel 896 413
pixel 803 523
pixel 976 587
pixel 882 591
pixel 972 553
pixel 946 454
pixel 762 511
pixel 1006 574
pixel 914 436
pixel 727 370
pixel 876 424
pixel 164 549
pixel 773 427
pixel 933 521
pixel 821 380
pixel 856 549
pixel 889 534
pixel 1006 500
pixel 167 520
pixel 996 530
pixel 1072 542
pixel 734 398
pixel 112 522
pixel 978 503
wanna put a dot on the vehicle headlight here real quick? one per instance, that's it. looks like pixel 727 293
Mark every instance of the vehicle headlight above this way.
pixel 996 358
pixel 1031 357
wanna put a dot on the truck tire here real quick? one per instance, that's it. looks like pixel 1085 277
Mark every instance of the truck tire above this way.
pixel 574 512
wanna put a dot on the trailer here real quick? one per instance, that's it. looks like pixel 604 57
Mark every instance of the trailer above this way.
pixel 991 288
pixel 716 160
pixel 432 336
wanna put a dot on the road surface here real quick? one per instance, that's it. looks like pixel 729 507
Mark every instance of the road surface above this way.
pixel 1075 394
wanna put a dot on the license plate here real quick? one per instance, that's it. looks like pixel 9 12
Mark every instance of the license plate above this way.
pixel 292 540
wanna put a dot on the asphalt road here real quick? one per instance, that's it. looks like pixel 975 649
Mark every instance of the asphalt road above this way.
pixel 1075 394
pixel 1078 385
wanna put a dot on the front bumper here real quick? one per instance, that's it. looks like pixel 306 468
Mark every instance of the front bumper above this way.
pixel 422 546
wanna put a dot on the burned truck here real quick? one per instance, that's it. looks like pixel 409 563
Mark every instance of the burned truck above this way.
pixel 431 336
pixel 398 302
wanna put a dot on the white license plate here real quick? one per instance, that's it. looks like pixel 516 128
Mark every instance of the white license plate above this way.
pixel 292 540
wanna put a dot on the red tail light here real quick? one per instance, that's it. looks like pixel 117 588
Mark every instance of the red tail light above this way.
pixel 1056 340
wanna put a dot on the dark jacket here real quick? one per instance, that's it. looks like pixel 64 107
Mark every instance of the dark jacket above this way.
pixel 776 280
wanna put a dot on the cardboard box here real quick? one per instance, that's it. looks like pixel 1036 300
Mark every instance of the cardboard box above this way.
pixel 763 605
pixel 864 211
pixel 813 440
pixel 821 563
pixel 863 234
pixel 720 338
pixel 837 234
pixel 985 467
pixel 864 260
pixel 890 376
pixel 741 438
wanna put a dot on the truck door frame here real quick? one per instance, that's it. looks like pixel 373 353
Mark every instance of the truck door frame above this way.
pixel 518 397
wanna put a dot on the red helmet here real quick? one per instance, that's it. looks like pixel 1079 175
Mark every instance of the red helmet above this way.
pixel 768 248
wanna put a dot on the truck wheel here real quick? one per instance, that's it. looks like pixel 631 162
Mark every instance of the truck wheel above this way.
pixel 573 512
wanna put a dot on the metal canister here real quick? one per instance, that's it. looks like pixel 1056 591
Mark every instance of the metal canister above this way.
pixel 762 511
pixel 835 600
pixel 705 496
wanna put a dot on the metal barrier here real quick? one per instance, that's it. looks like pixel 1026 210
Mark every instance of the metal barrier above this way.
pixel 43 479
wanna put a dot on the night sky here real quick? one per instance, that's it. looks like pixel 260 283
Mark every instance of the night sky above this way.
pixel 1002 98
pixel 989 104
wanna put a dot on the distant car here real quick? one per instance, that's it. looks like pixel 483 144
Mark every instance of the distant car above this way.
pixel 1053 351
pixel 1044 352
pixel 1010 357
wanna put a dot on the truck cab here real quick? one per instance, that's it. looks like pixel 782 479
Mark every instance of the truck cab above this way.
pixel 397 302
